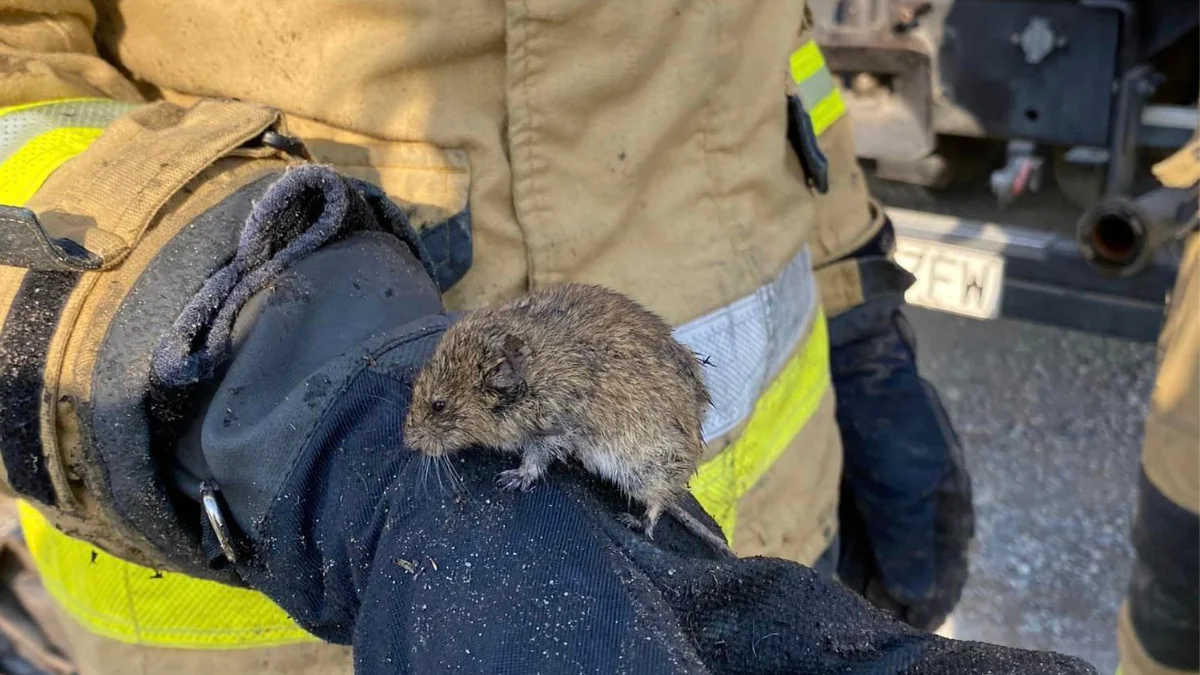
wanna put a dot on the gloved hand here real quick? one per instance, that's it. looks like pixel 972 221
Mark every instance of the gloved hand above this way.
pixel 906 513
pixel 287 389
pixel 431 568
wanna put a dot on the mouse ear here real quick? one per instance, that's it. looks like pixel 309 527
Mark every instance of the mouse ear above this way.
pixel 509 370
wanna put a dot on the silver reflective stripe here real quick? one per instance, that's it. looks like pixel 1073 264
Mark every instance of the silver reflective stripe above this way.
pixel 21 126
pixel 814 88
pixel 749 341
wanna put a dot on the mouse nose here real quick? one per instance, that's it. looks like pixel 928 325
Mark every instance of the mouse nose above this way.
pixel 411 436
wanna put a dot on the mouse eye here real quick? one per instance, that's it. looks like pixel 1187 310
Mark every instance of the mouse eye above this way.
pixel 438 405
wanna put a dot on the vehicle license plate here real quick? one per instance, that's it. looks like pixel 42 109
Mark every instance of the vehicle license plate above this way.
pixel 952 278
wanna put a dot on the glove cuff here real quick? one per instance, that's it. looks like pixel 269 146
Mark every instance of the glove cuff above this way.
pixel 867 275
pixel 74 255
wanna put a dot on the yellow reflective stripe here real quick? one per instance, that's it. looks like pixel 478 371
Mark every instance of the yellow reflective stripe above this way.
pixel 779 416
pixel 36 138
pixel 817 89
pixel 130 603
pixel 806 61
pixel 825 113
pixel 769 371
pixel 26 169
pixel 19 124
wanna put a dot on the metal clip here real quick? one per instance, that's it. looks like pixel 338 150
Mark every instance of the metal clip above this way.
pixel 216 519
pixel 286 144
pixel 1022 173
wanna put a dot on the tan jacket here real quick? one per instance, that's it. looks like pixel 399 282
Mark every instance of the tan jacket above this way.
pixel 639 146
pixel 585 135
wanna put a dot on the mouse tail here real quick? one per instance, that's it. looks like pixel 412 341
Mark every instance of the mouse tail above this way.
pixel 716 541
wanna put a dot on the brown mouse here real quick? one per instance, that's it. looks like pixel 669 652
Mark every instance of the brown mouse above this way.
pixel 573 372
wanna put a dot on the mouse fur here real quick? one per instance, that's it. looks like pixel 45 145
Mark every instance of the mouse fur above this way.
pixel 574 372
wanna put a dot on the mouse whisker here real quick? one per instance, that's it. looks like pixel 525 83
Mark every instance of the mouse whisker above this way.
pixel 437 470
pixel 423 475
pixel 456 480
pixel 443 469
pixel 430 468
pixel 452 475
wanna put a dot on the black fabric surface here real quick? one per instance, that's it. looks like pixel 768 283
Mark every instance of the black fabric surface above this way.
pixel 451 249
pixel 299 345
pixel 25 243
pixel 135 419
pixel 803 139
pixel 134 425
pixel 305 209
pixel 24 338
pixel 359 549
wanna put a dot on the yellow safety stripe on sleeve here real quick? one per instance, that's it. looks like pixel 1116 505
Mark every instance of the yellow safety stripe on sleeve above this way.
pixel 106 595
pixel 770 369
pixel 25 171
pixel 134 604
pixel 779 415
pixel 817 89
pixel 37 138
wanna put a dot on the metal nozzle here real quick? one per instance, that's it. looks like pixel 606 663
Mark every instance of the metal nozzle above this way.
pixel 1120 236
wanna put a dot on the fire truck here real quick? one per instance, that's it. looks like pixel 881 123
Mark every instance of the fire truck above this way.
pixel 1011 143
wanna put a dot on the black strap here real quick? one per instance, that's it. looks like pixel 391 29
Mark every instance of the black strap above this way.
pixel 804 142
pixel 881 276
pixel 25 243
pixel 24 342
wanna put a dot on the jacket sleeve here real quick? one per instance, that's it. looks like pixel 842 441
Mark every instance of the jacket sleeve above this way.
pixel 431 568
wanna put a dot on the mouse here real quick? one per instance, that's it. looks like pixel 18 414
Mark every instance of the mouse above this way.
pixel 574 373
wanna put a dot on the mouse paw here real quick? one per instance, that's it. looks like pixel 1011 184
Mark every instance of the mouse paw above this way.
pixel 631 521
pixel 515 479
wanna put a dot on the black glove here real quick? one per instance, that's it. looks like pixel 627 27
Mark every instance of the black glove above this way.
pixel 906 513
pixel 292 404
pixel 362 542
